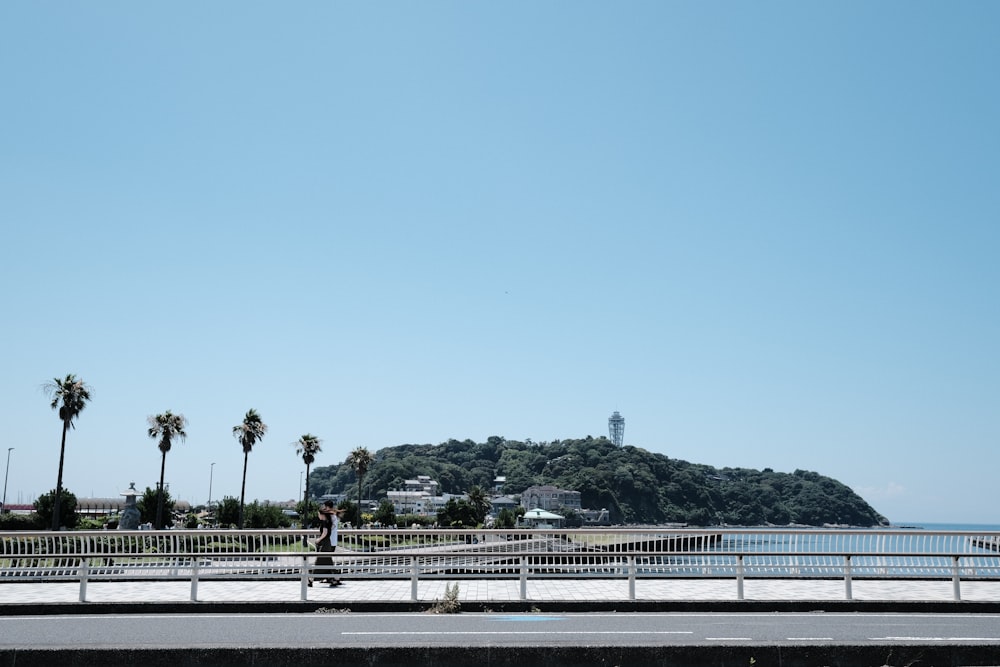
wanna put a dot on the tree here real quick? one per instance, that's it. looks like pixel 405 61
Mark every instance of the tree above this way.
pixel 148 505
pixel 69 396
pixel 306 509
pixel 457 514
pixel 46 508
pixel 480 502
pixel 307 447
pixel 386 513
pixel 505 519
pixel 227 512
pixel 359 459
pixel 165 427
pixel 248 433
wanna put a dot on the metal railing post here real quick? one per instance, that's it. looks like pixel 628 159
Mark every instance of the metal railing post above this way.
pixel 414 575
pixel 847 577
pixel 739 577
pixel 194 579
pixel 304 579
pixel 524 577
pixel 84 572
pixel 631 577
pixel 956 579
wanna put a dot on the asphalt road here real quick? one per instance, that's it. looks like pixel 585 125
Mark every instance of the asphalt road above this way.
pixel 333 630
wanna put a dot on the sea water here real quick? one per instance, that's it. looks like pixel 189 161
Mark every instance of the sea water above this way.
pixel 914 550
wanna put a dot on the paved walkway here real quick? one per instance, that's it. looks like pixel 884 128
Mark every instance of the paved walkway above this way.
pixel 499 591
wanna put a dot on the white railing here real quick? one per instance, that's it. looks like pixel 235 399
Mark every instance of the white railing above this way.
pixel 419 554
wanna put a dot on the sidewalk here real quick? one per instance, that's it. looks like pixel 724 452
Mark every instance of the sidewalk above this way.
pixel 486 591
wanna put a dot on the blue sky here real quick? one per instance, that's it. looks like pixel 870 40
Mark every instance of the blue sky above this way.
pixel 765 232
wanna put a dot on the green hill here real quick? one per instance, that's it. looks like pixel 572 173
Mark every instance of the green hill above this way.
pixel 634 485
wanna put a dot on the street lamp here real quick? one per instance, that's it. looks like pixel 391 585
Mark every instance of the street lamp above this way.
pixel 211 473
pixel 4 505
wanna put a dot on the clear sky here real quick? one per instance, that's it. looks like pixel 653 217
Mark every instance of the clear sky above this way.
pixel 768 233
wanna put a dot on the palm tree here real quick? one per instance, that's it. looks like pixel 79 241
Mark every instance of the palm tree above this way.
pixel 480 502
pixel 70 397
pixel 307 446
pixel 249 433
pixel 166 427
pixel 359 459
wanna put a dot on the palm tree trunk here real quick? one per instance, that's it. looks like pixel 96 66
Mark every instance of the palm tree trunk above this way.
pixel 159 494
pixel 359 502
pixel 305 509
pixel 57 501
pixel 305 502
pixel 243 488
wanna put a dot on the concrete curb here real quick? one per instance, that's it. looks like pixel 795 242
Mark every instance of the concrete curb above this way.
pixel 502 606
pixel 518 656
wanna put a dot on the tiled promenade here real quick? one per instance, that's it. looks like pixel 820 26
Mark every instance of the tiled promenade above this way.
pixel 500 591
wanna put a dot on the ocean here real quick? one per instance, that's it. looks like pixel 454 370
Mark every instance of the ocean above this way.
pixel 910 550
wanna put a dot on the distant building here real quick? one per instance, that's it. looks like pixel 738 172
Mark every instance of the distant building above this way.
pixel 616 428
pixel 409 502
pixel 500 503
pixel 548 497
pixel 419 496
pixel 421 483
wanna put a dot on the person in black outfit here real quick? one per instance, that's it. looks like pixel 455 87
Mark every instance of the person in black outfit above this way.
pixel 329 519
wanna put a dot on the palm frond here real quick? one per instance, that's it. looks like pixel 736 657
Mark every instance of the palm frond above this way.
pixel 250 431
pixel 69 396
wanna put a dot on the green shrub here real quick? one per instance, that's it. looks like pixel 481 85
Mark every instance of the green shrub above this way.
pixel 11 521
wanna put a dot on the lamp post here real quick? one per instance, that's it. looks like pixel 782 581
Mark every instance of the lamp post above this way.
pixel 4 506
pixel 211 473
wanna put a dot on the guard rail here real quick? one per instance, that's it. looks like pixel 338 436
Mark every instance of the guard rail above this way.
pixel 418 553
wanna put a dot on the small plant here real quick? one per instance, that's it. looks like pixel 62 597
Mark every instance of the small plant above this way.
pixel 450 604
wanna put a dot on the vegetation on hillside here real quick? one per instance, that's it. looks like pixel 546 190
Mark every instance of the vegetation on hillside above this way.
pixel 635 486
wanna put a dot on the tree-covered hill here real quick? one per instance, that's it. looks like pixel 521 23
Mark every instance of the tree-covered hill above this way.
pixel 634 485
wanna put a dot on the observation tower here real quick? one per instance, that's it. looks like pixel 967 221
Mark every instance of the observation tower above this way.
pixel 616 428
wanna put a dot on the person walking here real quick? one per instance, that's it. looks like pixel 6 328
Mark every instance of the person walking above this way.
pixel 329 523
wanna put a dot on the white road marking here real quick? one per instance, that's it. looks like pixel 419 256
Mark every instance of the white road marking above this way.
pixel 935 639
pixel 729 639
pixel 810 639
pixel 516 632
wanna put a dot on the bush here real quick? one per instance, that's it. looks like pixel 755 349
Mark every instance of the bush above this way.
pixel 11 521
pixel 86 523
pixel 407 520
pixel 257 516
